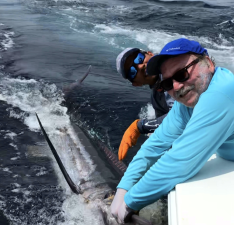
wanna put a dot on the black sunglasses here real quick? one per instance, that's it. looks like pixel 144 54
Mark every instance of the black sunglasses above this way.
pixel 180 76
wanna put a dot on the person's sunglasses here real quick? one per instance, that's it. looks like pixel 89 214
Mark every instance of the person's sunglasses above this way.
pixel 138 60
pixel 180 76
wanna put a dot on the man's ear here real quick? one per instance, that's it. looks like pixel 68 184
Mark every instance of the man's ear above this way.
pixel 150 53
pixel 210 63
pixel 135 84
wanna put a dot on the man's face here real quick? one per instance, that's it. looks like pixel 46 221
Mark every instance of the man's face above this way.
pixel 188 92
pixel 141 77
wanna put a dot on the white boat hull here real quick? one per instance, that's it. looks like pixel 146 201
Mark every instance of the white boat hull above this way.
pixel 205 199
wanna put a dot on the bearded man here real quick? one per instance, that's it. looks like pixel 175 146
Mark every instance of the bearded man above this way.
pixel 200 123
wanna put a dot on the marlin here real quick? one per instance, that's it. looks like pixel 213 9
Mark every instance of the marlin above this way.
pixel 92 189
pixel 98 186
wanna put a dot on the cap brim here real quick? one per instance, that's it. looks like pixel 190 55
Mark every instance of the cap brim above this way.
pixel 154 64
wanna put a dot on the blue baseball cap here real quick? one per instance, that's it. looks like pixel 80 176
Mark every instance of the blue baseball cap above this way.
pixel 173 48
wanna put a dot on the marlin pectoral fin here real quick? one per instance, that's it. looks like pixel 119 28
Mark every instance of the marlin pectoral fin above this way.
pixel 68 89
pixel 85 75
pixel 71 184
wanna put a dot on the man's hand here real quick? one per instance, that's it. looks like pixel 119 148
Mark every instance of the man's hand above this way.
pixel 129 139
pixel 117 202
pixel 125 213
pixel 119 209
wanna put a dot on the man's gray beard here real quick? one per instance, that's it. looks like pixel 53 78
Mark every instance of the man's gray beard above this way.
pixel 201 87
pixel 183 91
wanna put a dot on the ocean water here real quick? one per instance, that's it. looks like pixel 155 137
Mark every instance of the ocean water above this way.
pixel 46 45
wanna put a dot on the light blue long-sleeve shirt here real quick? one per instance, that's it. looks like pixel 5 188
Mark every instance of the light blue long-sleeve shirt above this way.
pixel 183 143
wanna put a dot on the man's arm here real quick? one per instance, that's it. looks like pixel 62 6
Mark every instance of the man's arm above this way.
pixel 156 145
pixel 162 103
pixel 212 122
pixel 133 132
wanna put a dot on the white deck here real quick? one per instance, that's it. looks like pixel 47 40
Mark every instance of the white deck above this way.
pixel 205 199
